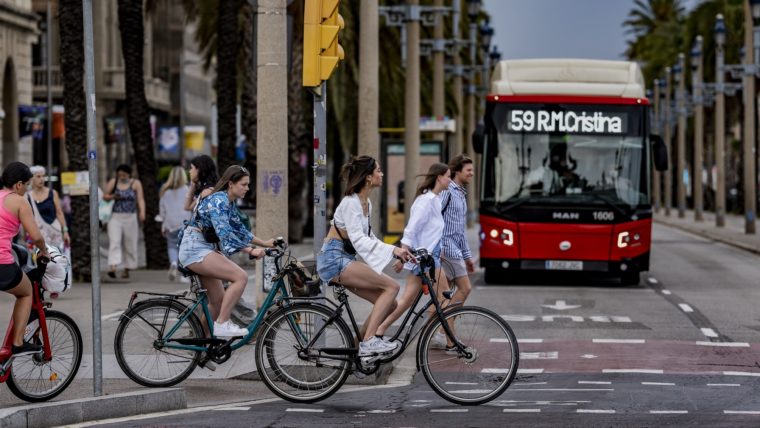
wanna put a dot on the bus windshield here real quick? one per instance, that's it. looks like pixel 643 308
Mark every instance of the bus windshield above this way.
pixel 565 167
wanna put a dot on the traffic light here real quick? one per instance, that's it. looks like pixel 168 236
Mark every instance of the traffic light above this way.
pixel 321 50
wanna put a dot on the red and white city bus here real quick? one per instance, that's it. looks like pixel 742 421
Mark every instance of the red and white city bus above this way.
pixel 566 165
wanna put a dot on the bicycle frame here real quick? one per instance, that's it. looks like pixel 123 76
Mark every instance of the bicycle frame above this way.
pixel 38 305
pixel 203 343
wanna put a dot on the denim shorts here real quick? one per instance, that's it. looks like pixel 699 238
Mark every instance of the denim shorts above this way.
pixel 436 253
pixel 332 260
pixel 193 248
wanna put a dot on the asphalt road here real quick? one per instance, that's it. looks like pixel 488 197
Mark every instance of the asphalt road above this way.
pixel 680 349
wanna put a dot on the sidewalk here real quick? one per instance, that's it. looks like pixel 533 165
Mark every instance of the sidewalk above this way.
pixel 732 234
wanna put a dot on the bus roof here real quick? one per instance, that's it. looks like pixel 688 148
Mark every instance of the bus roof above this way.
pixel 568 77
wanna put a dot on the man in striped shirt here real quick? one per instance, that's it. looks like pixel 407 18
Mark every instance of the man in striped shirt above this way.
pixel 455 250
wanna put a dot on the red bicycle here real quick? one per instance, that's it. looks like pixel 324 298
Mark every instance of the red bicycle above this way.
pixel 42 376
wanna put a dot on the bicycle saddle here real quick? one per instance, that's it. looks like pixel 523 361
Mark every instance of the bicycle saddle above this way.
pixel 184 271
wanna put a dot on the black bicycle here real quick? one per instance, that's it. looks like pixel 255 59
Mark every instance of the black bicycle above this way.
pixel 305 350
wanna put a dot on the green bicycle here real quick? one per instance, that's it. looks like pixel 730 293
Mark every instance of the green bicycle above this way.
pixel 161 340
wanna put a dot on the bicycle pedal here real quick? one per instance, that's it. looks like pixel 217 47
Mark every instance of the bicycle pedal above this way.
pixel 208 365
pixel 370 359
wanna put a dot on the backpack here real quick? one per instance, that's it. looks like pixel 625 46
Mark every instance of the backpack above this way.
pixel 57 277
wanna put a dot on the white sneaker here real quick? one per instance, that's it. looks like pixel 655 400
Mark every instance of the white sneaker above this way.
pixel 184 280
pixel 228 329
pixel 173 272
pixel 438 341
pixel 375 345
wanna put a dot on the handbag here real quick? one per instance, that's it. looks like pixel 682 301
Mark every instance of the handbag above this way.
pixel 348 247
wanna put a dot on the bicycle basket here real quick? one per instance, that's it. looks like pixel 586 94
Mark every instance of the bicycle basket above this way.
pixel 303 279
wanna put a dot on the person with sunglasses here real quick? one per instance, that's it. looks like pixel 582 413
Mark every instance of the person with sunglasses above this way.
pixel 214 233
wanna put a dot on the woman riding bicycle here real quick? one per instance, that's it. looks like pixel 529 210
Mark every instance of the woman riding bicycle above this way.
pixel 424 230
pixel 351 234
pixel 217 214
pixel 16 210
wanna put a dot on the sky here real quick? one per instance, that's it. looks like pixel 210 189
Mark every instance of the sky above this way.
pixel 561 28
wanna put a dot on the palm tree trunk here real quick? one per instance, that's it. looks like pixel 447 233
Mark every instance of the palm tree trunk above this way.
pixel 228 42
pixel 132 44
pixel 248 95
pixel 72 67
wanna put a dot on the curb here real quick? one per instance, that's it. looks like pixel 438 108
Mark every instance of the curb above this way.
pixel 94 408
pixel 712 236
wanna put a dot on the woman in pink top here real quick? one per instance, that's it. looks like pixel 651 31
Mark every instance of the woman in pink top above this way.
pixel 15 211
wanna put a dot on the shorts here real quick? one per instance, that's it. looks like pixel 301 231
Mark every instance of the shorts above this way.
pixel 10 276
pixel 454 268
pixel 332 260
pixel 436 253
pixel 193 248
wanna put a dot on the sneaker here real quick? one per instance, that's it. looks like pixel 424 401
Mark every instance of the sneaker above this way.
pixel 228 329
pixel 375 345
pixel 438 341
pixel 184 280
pixel 26 349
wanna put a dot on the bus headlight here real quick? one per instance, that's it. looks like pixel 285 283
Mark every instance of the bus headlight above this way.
pixel 507 237
pixel 622 240
pixel 494 233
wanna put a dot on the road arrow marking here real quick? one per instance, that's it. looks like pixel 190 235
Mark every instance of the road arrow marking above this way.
pixel 561 305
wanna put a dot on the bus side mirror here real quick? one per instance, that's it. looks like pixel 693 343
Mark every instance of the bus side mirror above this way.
pixel 659 152
pixel 478 137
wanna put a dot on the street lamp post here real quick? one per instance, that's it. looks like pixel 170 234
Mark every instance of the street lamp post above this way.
pixel 681 141
pixel 656 186
pixel 699 131
pixel 668 201
pixel 755 7
pixel 473 11
pixel 749 176
pixel 720 119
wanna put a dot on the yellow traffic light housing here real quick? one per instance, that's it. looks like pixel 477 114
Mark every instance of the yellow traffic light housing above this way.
pixel 322 51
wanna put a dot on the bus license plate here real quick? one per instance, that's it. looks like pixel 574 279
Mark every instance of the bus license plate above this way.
pixel 564 265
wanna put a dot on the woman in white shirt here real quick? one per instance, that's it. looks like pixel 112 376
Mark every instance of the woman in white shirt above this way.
pixel 173 215
pixel 351 234
pixel 423 230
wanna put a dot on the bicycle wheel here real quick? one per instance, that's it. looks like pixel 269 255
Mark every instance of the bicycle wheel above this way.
pixel 32 378
pixel 308 377
pixel 139 347
pixel 481 373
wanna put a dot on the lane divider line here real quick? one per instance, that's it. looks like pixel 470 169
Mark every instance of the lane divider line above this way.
pixel 659 383
pixel 302 410
pixel 686 308
pixel 521 411
pixel 643 371
pixel 666 292
pixel 618 341
pixel 740 374
pixel 725 344
pixel 724 384
pixel 594 411
pixel 741 412
pixel 668 412
pixel 449 410
pixel 594 382
pixel 709 332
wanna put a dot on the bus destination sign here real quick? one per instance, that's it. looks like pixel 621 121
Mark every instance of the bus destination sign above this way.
pixel 569 121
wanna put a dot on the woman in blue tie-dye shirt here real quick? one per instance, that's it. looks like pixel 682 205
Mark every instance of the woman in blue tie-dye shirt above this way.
pixel 218 212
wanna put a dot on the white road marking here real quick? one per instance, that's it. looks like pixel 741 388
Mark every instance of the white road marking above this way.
pixel 420 401
pixel 449 410
pixel 110 316
pixel 645 371
pixel 521 410
pixel 741 412
pixel 725 344
pixel 563 389
pixel 740 374
pixel 594 382
pixel 709 332
pixel 377 411
pixel 594 411
pixel 233 408
pixel 618 341
pixel 668 412
pixel 724 384
pixel 302 410
pixel 652 280
pixel 525 340
pixel 527 371
pixel 553 355
pixel 588 356
pixel 684 307
pixel 666 292
pixel 472 391
pixel 659 383
pixel 530 383
pixel 461 383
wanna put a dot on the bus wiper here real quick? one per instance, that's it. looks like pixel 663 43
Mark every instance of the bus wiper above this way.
pixel 514 205
pixel 610 203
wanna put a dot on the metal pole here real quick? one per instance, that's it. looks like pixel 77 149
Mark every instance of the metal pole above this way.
pixel 471 90
pixel 320 168
pixel 749 176
pixel 720 138
pixel 459 146
pixel 699 137
pixel 48 61
pixel 412 105
pixel 92 166
pixel 681 141
pixel 668 137
pixel 439 93
pixel 656 186
pixel 369 96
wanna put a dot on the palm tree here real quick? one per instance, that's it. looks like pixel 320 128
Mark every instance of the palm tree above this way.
pixel 658 36
pixel 71 29
pixel 132 33
pixel 228 44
